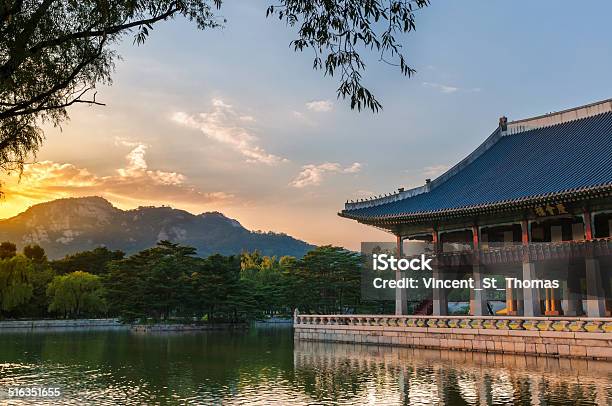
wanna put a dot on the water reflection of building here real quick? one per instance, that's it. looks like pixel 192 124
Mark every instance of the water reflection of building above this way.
pixel 420 377
pixel 533 199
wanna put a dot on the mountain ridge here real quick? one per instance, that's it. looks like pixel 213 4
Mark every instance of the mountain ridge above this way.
pixel 68 225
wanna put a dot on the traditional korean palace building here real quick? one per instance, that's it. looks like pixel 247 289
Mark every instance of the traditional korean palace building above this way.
pixel 534 196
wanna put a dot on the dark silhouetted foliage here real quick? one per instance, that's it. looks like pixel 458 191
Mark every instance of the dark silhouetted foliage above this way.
pixel 7 250
pixel 35 252
pixel 169 282
pixel 93 262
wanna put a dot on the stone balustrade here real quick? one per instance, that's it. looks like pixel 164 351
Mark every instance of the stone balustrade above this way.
pixel 579 337
pixel 567 324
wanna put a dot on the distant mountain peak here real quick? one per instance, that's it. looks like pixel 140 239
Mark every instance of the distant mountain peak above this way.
pixel 219 215
pixel 71 201
pixel 213 213
pixel 68 225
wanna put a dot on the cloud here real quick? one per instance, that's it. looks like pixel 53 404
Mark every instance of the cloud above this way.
pixel 136 182
pixel 440 87
pixel 354 168
pixel 312 175
pixel 450 89
pixel 304 119
pixel 125 142
pixel 223 125
pixel 320 106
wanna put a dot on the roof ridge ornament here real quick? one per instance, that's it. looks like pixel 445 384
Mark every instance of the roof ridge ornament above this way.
pixel 503 123
pixel 559 117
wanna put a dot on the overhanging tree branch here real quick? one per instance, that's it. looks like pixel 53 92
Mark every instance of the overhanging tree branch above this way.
pixel 20 108
pixel 106 31
pixel 21 54
pixel 53 52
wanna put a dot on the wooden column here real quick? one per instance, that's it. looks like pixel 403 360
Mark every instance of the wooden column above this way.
pixel 401 304
pixel 525 232
pixel 572 296
pixel 531 297
pixel 510 302
pixel 440 305
pixel 596 303
pixel 436 244
pixel 475 238
pixel 478 303
pixel 555 310
pixel 588 225
pixel 552 304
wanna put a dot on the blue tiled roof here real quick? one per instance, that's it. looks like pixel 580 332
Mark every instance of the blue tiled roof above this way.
pixel 544 161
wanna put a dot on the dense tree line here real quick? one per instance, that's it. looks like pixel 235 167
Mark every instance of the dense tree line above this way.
pixel 170 282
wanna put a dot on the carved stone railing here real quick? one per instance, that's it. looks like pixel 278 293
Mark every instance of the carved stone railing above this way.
pixel 559 324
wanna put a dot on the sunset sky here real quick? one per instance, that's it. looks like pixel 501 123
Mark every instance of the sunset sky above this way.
pixel 233 120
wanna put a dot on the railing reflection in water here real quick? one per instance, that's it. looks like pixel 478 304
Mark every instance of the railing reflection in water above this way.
pixel 391 375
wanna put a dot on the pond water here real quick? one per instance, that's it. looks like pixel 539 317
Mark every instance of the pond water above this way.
pixel 263 366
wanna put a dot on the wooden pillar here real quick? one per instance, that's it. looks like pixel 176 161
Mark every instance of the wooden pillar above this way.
pixel 519 301
pixel 440 304
pixel 531 297
pixel 478 303
pixel 475 238
pixel 572 291
pixel 596 303
pixel 588 226
pixel 572 297
pixel 401 303
pixel 552 304
pixel 525 232
pixel 510 302
pixel 436 244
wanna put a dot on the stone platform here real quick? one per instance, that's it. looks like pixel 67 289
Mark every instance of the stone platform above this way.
pixel 574 337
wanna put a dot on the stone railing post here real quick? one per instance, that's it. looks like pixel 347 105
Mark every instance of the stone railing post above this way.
pixel 296 314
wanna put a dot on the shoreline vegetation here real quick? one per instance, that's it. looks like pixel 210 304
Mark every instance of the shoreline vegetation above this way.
pixel 43 324
pixel 115 323
pixel 169 285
